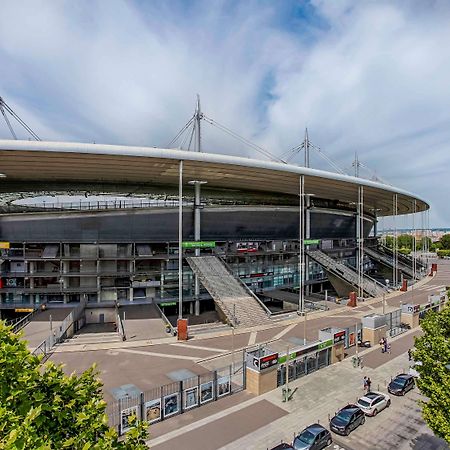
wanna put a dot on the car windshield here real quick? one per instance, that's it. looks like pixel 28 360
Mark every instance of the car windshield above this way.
pixel 364 403
pixel 306 436
pixel 344 414
pixel 399 382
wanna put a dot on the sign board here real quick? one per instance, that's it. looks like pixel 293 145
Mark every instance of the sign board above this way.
pixel 411 309
pixel 339 337
pixel 4 245
pixel 198 244
pixel 168 304
pixel 312 241
pixel 27 310
pixel 265 362
pixel 304 351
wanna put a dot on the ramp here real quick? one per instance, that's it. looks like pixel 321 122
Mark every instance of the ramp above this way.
pixel 228 292
pixel 388 261
pixel 370 287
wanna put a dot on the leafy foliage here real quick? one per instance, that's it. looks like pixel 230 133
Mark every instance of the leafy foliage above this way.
pixel 42 408
pixel 445 241
pixel 433 350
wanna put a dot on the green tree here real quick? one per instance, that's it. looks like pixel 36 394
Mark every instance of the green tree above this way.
pixel 405 241
pixel 433 350
pixel 42 408
pixel 445 241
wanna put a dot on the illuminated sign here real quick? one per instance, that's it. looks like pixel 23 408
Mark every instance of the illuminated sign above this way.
pixel 198 244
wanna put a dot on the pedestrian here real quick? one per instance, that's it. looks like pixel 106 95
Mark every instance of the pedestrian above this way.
pixel 385 345
pixel 368 382
pixel 388 348
pixel 409 355
pixel 365 383
pixel 382 345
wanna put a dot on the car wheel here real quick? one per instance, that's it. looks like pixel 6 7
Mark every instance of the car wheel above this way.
pixel 363 420
pixel 375 412
pixel 347 431
pixel 388 403
pixel 329 442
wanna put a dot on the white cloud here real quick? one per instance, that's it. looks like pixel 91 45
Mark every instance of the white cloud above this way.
pixel 363 76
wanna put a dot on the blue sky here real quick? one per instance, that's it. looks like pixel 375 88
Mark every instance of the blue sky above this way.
pixel 364 76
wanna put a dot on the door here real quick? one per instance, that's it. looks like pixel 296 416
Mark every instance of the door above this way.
pixel 101 318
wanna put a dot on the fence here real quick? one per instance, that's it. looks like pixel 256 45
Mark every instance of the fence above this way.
pixel 69 326
pixel 175 398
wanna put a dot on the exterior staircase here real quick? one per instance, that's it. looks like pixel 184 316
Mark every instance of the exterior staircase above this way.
pixel 370 287
pixel 229 293
pixel 388 260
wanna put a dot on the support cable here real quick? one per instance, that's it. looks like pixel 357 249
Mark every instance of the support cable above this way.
pixel 4 106
pixel 242 139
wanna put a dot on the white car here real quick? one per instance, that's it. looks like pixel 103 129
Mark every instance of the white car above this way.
pixel 373 402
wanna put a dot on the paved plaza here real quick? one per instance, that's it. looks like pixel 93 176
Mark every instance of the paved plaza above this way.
pixel 246 421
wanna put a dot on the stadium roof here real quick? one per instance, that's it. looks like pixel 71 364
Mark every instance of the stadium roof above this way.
pixel 25 162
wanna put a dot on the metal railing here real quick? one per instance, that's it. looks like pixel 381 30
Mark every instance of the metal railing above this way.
pixel 169 326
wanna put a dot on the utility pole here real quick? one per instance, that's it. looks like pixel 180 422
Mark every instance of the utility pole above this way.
pixel 180 242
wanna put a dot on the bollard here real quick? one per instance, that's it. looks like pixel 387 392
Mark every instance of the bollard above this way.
pixel 329 417
pixel 378 386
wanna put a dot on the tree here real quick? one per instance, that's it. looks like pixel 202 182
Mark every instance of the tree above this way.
pixel 445 241
pixel 42 408
pixel 433 350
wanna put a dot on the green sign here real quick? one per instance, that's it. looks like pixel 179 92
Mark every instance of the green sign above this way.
pixel 199 244
pixel 168 304
pixel 325 344
pixel 312 241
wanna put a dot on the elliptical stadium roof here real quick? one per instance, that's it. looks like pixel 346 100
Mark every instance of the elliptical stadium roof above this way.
pixel 25 162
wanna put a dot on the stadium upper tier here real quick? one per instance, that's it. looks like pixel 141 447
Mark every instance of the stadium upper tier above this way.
pixel 28 164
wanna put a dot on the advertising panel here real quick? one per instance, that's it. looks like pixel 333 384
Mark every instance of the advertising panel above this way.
pixel 223 386
pixel 265 362
pixel 125 415
pixel 171 404
pixel 153 410
pixel 339 337
pixel 191 397
pixel 206 392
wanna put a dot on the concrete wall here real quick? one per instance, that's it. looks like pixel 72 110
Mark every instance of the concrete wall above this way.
pixel 93 315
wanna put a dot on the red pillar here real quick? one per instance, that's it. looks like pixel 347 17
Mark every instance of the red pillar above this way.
pixel 352 299
pixel 182 329
pixel 404 287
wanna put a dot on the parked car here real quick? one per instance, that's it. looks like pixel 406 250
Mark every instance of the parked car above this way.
pixel 347 419
pixel 401 384
pixel 282 446
pixel 373 402
pixel 314 437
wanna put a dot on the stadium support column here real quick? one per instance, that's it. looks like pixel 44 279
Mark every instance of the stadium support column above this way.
pixel 360 240
pixel 180 242
pixel 414 242
pixel 307 236
pixel 197 226
pixel 301 259
pixel 394 242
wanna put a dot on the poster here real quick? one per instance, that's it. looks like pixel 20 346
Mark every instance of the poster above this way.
pixel 191 397
pixel 153 410
pixel 223 386
pixel 125 415
pixel 206 392
pixel 171 404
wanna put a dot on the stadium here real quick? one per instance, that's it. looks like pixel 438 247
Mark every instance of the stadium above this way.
pixel 232 239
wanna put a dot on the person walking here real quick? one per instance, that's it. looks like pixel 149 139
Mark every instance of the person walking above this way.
pixel 385 345
pixel 368 383
pixel 365 384
pixel 409 355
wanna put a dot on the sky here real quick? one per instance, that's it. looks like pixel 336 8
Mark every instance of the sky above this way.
pixel 365 77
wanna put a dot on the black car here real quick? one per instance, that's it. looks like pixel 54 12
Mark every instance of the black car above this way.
pixel 282 446
pixel 314 437
pixel 347 419
pixel 401 384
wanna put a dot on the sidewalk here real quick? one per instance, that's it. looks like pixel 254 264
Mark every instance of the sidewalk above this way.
pixel 264 421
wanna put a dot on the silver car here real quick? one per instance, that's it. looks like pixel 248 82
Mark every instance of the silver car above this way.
pixel 373 402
